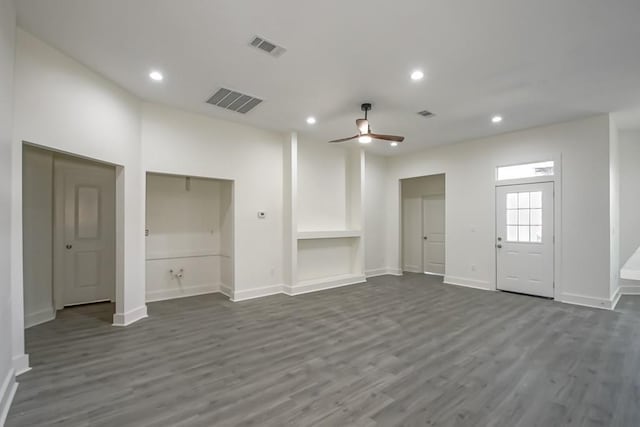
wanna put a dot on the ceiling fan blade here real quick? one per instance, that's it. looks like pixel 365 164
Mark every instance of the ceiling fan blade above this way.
pixel 345 139
pixel 387 137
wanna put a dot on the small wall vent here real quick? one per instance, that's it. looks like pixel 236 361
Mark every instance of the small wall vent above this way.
pixel 426 113
pixel 234 101
pixel 267 46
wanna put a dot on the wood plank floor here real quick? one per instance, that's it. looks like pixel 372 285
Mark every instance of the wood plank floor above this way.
pixel 395 351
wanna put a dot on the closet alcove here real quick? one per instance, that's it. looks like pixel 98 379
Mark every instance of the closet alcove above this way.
pixel 189 236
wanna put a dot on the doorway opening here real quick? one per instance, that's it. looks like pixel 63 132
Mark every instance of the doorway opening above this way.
pixel 189 236
pixel 423 224
pixel 69 233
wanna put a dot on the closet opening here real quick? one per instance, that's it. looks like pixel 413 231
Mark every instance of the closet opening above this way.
pixel 423 224
pixel 69 235
pixel 189 236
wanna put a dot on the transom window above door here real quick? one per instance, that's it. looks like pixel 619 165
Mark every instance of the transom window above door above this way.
pixel 528 170
pixel 524 217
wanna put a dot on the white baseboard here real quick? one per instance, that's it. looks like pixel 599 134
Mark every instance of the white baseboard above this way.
pixel 7 391
pixel 385 271
pixel 467 283
pixel 412 269
pixel 630 290
pixel 38 317
pixel 615 298
pixel 586 301
pixel 247 294
pixel 21 364
pixel 190 291
pixel 125 319
pixel 315 285
pixel 226 290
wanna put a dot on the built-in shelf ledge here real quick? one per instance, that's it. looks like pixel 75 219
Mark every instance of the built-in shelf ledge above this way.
pixel 176 255
pixel 327 234
pixel 631 268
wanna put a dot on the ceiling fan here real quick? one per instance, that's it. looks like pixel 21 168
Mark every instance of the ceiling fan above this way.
pixel 364 130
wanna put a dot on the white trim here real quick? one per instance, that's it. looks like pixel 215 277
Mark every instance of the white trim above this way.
pixel 587 301
pixel 247 294
pixel 7 391
pixel 412 269
pixel 226 290
pixel 126 319
pixel 384 271
pixel 328 234
pixel 629 290
pixel 155 256
pixel 615 298
pixel 21 364
pixel 315 285
pixel 467 283
pixel 42 316
pixel 394 271
pixel 431 273
pixel 189 291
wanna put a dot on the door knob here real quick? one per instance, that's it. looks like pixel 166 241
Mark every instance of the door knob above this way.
pixel 69 246
pixel 425 237
pixel 498 246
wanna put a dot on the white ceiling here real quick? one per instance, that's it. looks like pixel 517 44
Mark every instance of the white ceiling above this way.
pixel 534 62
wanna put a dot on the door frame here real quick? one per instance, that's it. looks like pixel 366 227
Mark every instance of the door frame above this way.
pixel 444 198
pixel 119 223
pixel 556 179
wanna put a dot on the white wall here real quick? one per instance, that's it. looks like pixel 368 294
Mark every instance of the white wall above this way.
pixel 322 186
pixel 37 216
pixel 413 190
pixel 470 168
pixel 7 298
pixel 181 143
pixel 629 145
pixel 64 106
pixel 375 214
pixel 185 233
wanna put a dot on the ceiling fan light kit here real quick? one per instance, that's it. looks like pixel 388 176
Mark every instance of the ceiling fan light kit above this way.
pixel 365 135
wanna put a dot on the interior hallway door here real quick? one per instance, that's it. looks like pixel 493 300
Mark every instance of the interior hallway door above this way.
pixel 86 195
pixel 433 234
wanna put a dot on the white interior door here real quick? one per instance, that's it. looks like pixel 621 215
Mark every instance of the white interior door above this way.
pixel 86 192
pixel 525 238
pixel 433 235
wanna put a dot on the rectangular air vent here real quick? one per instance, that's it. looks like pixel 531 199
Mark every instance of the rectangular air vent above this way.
pixel 234 101
pixel 267 46
pixel 425 113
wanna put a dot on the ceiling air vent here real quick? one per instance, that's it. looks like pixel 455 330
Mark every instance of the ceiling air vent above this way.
pixel 425 113
pixel 267 46
pixel 234 101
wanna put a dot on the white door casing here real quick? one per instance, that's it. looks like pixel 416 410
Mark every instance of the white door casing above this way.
pixel 85 224
pixel 525 238
pixel 433 234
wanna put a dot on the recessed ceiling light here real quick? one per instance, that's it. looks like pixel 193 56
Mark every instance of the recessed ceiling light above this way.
pixel 364 139
pixel 496 119
pixel 311 120
pixel 417 75
pixel 156 75
pixel 394 144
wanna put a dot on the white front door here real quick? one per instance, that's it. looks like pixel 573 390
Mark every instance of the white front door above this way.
pixel 525 238
pixel 433 235
pixel 88 231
